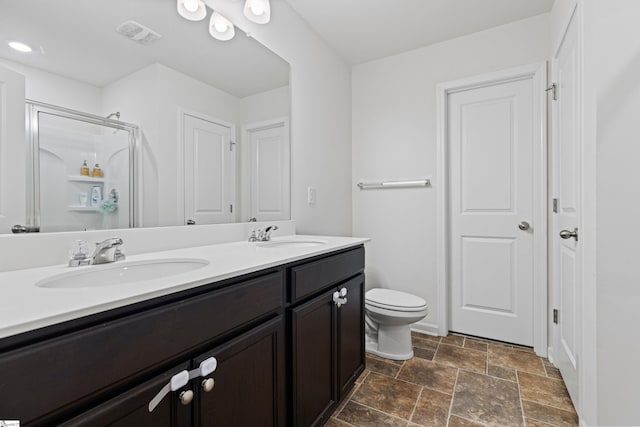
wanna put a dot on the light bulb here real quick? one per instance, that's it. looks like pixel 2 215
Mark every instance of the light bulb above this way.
pixel 191 5
pixel 257 9
pixel 220 26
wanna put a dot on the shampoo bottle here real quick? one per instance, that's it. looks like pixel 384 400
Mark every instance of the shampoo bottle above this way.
pixel 84 169
pixel 96 196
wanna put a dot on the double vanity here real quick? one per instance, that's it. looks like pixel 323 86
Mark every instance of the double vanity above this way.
pixel 242 333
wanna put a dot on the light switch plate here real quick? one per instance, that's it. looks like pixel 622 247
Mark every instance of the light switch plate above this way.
pixel 311 195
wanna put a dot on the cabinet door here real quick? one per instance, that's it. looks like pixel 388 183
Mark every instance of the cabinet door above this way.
pixel 249 388
pixel 313 328
pixel 351 355
pixel 130 409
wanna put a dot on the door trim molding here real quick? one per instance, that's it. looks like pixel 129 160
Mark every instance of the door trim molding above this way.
pixel 538 73
pixel 182 112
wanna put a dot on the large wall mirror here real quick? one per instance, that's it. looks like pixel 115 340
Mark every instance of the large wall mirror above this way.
pixel 137 117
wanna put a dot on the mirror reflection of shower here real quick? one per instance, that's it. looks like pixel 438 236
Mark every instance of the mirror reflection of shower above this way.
pixel 83 169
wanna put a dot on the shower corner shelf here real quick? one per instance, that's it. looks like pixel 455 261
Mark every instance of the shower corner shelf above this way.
pixel 82 209
pixel 84 178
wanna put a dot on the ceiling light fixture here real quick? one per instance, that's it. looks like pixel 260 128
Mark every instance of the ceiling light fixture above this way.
pixel 258 11
pixel 20 47
pixel 220 27
pixel 193 10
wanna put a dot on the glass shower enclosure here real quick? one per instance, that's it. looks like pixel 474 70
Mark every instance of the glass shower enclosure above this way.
pixel 80 172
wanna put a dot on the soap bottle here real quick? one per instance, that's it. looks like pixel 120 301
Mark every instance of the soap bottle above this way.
pixel 84 169
pixel 97 172
pixel 96 196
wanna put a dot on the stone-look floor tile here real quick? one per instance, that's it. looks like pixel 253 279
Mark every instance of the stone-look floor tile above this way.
pixel 545 391
pixel 432 408
pixel 347 399
pixel 424 343
pixel 452 339
pixel 546 362
pixel 535 423
pixel 382 359
pixel 502 372
pixel 553 372
pixel 424 353
pixel 463 358
pixel 362 376
pixel 554 416
pixel 429 374
pixel 475 344
pixel 362 416
pixel 334 422
pixel 435 338
pixel 487 400
pixel 388 395
pixel 461 422
pixel 515 359
pixel 379 365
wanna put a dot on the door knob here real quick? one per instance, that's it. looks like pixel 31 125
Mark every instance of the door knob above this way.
pixel 524 226
pixel 186 397
pixel 207 384
pixel 191 222
pixel 566 234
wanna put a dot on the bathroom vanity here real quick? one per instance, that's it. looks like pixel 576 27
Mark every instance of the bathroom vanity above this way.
pixel 286 329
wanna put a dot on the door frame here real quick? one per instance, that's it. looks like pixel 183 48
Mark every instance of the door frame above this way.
pixel 538 73
pixel 245 161
pixel 182 112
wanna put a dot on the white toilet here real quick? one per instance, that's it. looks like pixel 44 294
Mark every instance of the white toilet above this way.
pixel 388 316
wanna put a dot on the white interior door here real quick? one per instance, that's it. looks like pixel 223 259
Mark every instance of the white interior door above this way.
pixel 491 142
pixel 567 187
pixel 209 172
pixel 12 150
pixel 269 171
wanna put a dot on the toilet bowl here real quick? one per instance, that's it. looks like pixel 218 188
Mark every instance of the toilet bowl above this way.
pixel 389 315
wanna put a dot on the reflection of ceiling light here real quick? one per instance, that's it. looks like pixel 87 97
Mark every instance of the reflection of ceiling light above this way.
pixel 220 27
pixel 193 10
pixel 20 47
pixel 258 11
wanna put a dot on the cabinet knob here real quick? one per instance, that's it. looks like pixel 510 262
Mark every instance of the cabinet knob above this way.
pixel 207 384
pixel 186 397
pixel 343 292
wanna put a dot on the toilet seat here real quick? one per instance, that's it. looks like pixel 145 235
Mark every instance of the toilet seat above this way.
pixel 394 300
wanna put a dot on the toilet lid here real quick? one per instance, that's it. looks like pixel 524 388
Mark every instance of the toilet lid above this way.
pixel 394 300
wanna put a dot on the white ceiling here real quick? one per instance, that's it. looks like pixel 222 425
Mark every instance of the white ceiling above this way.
pixel 364 30
pixel 77 39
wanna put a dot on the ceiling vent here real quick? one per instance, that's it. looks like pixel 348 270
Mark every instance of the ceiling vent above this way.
pixel 138 32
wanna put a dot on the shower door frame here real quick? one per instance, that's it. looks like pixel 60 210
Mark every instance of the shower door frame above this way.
pixel 33 108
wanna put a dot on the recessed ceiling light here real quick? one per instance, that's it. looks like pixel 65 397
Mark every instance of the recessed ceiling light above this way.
pixel 20 47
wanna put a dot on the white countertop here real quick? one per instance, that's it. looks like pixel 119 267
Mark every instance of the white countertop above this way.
pixel 25 306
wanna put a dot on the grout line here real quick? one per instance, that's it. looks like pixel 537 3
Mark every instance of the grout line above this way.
pixel 415 406
pixel 382 412
pixel 524 419
pixel 553 407
pixel 453 396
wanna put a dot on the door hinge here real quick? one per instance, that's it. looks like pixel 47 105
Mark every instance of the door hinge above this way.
pixel 554 90
pixel 555 316
pixel 555 205
pixel 231 208
pixel 231 144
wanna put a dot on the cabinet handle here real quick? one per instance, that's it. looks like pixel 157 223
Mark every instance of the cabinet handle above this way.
pixel 339 297
pixel 186 397
pixel 207 384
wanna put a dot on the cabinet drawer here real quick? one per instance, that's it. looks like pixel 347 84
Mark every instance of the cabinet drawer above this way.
pixel 42 381
pixel 312 277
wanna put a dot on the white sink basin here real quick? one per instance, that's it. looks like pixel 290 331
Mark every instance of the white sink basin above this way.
pixel 292 243
pixel 121 272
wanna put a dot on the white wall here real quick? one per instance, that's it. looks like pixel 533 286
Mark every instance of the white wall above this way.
pixel 618 211
pixel 320 116
pixel 267 105
pixel 51 88
pixel 394 138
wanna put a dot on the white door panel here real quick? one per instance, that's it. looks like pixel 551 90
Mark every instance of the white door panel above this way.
pixel 209 172
pixel 491 139
pixel 566 265
pixel 12 150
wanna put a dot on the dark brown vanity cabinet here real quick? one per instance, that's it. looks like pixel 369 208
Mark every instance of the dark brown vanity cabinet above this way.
pixel 327 335
pixel 104 369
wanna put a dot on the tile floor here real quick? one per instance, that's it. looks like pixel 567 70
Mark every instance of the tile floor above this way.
pixel 458 381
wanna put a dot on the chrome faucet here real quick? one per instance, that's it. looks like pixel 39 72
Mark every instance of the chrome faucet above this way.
pixel 262 235
pixel 108 251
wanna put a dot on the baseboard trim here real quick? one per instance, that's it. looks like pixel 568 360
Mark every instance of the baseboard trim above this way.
pixel 425 328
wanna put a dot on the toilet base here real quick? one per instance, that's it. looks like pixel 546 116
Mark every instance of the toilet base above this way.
pixel 393 342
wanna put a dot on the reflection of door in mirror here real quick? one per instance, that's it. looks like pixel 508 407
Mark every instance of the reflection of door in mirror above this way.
pixel 12 153
pixel 267 145
pixel 209 170
pixel 82 170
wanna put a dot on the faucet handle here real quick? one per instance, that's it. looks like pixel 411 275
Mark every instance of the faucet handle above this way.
pixel 79 254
